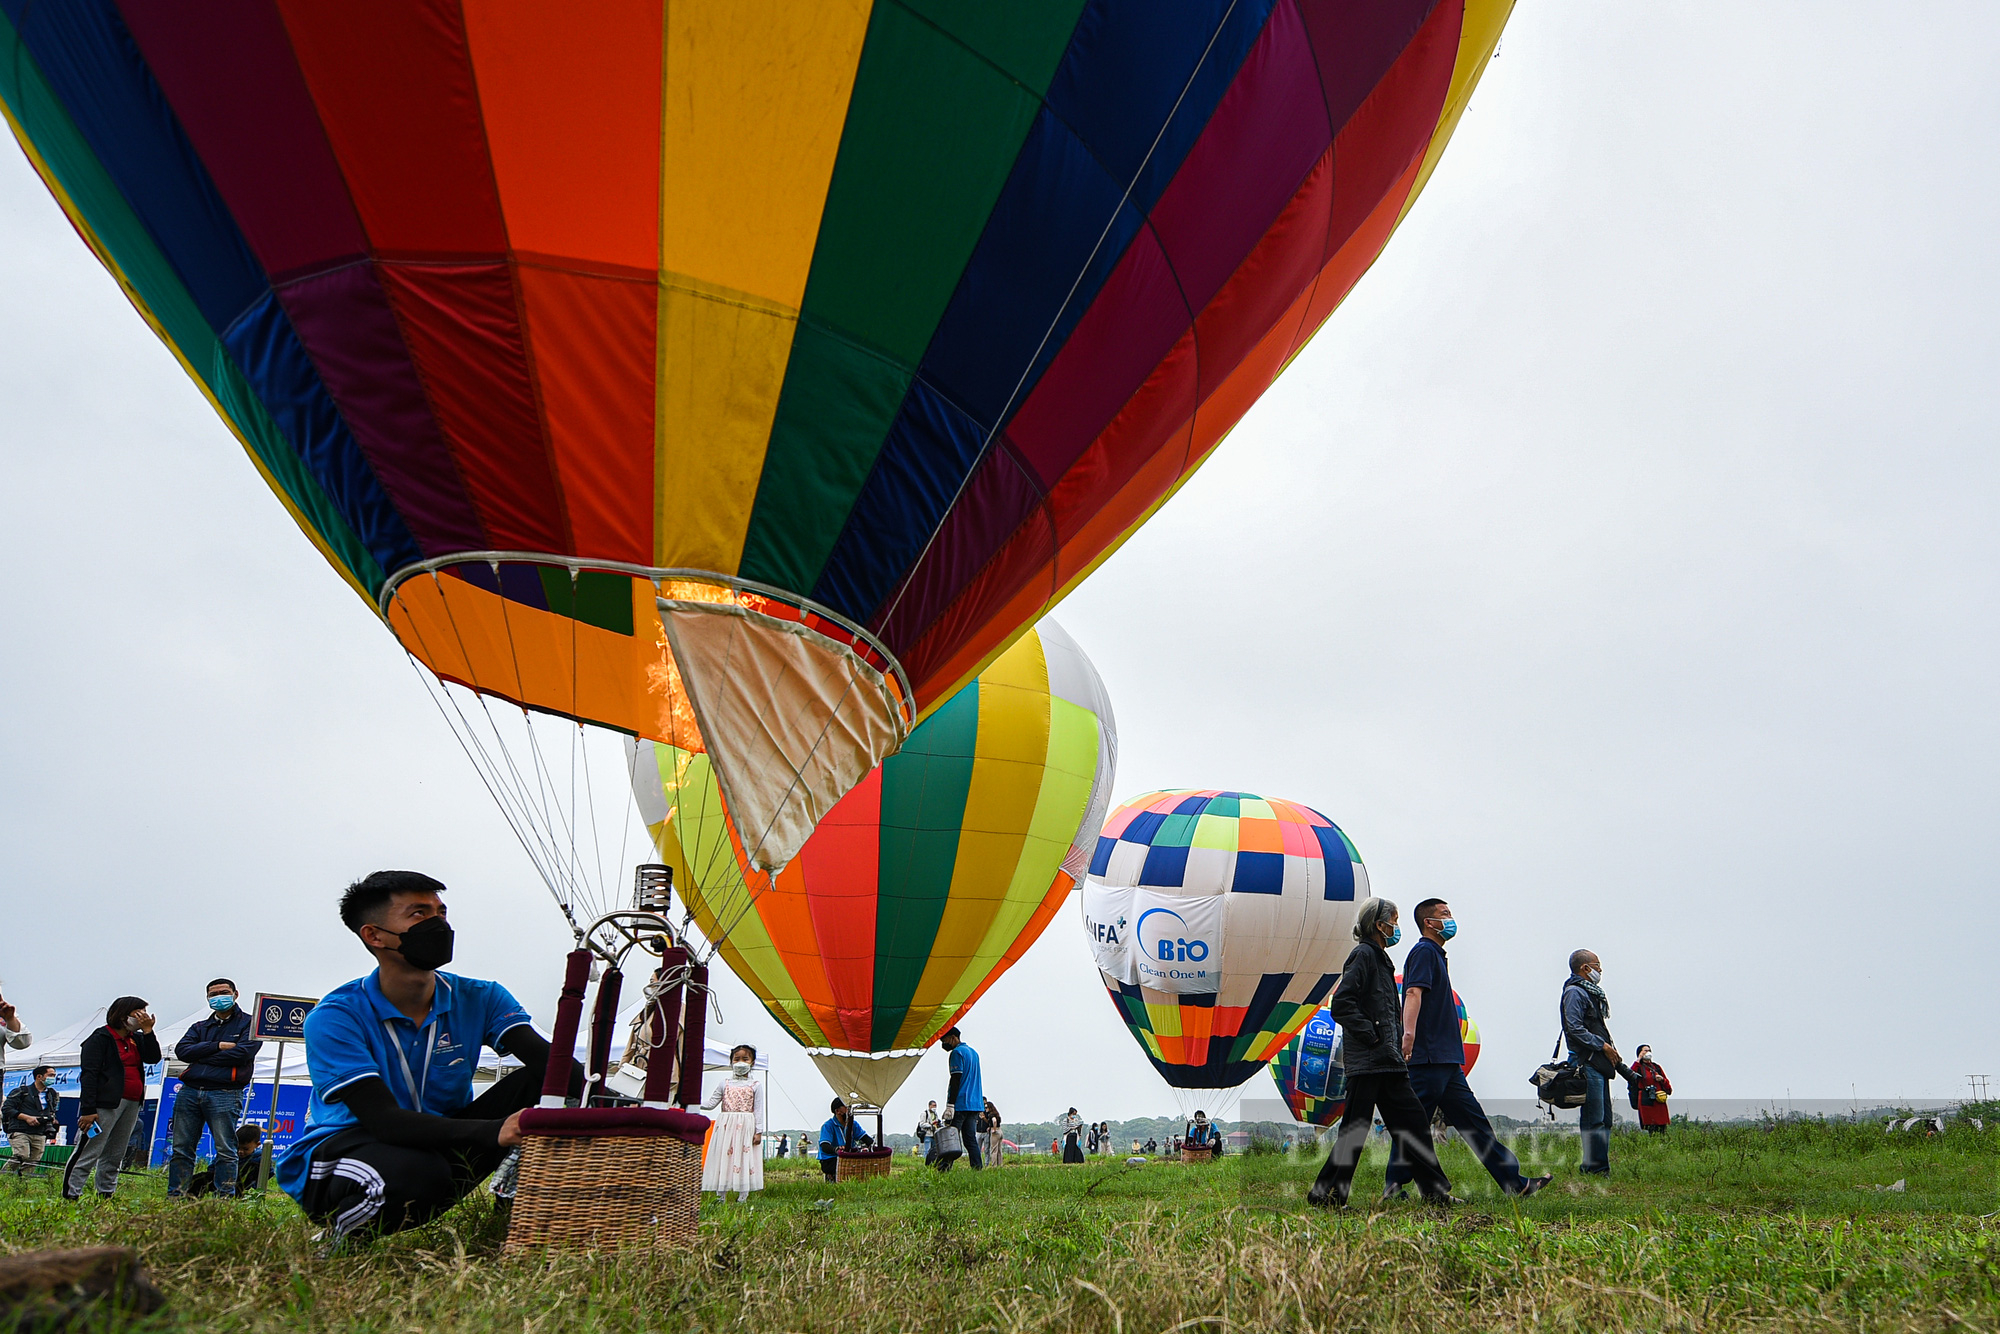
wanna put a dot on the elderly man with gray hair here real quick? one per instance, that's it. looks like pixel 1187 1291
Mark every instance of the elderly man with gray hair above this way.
pixel 1371 1023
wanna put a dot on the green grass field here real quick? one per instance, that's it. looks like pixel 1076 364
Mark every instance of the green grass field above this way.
pixel 1709 1228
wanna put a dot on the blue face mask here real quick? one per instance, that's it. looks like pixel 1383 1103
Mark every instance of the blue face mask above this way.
pixel 1395 934
pixel 1449 928
pixel 221 1003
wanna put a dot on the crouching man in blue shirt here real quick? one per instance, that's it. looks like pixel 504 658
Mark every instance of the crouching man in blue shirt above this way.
pixel 393 1135
pixel 837 1132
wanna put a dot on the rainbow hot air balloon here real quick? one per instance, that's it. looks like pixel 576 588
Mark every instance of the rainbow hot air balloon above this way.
pixel 925 882
pixel 1219 921
pixel 743 375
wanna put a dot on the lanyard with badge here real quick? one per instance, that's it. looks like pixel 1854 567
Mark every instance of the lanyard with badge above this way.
pixel 409 1080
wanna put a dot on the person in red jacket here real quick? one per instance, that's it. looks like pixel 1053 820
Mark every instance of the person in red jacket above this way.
pixel 1650 1087
pixel 111 1094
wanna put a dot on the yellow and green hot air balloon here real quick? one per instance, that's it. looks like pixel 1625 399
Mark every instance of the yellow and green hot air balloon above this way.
pixel 924 883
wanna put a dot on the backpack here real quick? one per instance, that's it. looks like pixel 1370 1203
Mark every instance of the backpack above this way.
pixel 1559 1083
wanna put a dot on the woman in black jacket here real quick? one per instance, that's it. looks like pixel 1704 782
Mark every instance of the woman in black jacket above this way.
pixel 112 1094
pixel 1371 1021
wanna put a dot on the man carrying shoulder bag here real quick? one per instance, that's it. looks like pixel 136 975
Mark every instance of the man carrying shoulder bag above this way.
pixel 1585 1015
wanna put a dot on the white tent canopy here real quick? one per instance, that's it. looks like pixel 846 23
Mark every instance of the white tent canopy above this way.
pixel 62 1048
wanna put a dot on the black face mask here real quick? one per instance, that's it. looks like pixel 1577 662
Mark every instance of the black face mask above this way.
pixel 427 945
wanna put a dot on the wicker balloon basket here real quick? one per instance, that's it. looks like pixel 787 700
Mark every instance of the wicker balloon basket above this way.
pixel 1197 1155
pixel 859 1164
pixel 607 1179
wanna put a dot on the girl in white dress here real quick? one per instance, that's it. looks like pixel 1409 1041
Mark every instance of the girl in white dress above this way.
pixel 735 1157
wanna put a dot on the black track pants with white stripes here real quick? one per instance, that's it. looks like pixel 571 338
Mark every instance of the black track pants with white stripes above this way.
pixel 359 1183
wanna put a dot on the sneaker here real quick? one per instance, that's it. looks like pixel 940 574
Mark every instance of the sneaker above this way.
pixel 1322 1196
pixel 1391 1194
pixel 1531 1185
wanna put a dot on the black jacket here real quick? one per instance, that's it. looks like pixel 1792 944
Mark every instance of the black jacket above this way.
pixel 26 1101
pixel 102 1083
pixel 210 1067
pixel 1370 1016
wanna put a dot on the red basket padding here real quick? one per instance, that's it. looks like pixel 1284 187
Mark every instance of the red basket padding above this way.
pixel 687 1127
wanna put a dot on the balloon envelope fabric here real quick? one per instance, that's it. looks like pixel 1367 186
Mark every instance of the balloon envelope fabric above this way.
pixel 930 878
pixel 556 327
pixel 1218 921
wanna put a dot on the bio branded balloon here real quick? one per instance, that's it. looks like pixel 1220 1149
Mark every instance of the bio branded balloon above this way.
pixel 1218 921
pixel 1309 1073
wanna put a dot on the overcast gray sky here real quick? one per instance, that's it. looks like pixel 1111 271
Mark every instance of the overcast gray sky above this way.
pixel 1619 562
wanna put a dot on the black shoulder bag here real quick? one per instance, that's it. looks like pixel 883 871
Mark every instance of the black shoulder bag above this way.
pixel 1559 1083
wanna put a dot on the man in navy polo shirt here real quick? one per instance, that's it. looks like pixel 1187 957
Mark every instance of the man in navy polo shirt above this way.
pixel 1435 1053
pixel 393 1134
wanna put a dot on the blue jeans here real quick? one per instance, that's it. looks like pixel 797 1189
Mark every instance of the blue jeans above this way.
pixel 218 1110
pixel 1443 1087
pixel 1596 1122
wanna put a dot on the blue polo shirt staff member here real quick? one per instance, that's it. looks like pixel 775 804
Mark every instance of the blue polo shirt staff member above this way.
pixel 1435 1051
pixel 393 1135
pixel 839 1131
pixel 965 1096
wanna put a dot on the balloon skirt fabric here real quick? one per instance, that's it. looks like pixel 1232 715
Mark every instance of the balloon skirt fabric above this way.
pixel 907 314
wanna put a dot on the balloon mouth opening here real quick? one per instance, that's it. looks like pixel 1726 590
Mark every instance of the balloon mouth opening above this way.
pixel 587 591
pixel 865 1078
pixel 792 703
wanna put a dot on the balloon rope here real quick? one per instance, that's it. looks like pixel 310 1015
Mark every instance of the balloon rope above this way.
pixel 550 866
pixel 993 433
pixel 574 822
pixel 662 982
pixel 544 773
pixel 540 789
pixel 520 822
pixel 579 745
pixel 522 819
